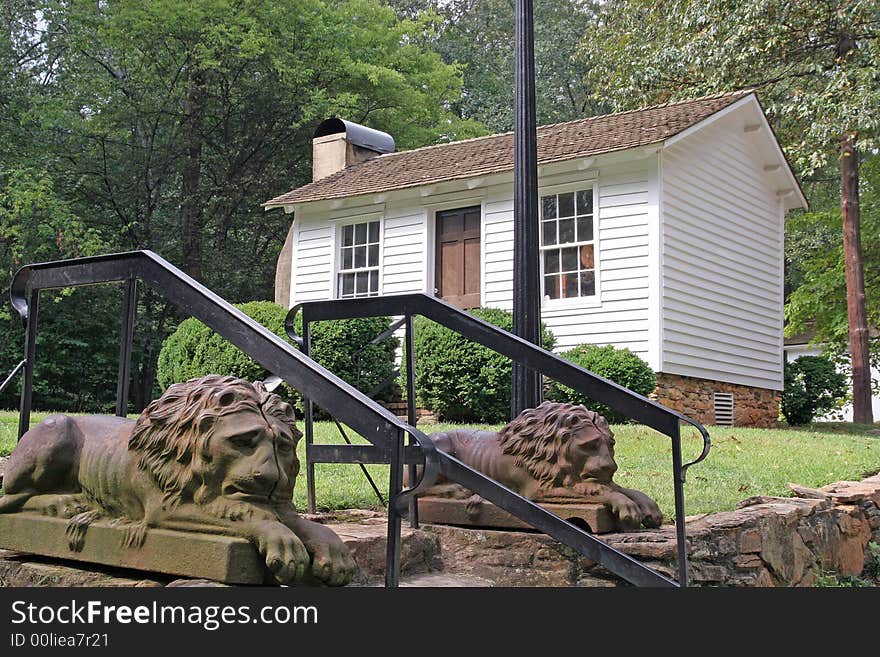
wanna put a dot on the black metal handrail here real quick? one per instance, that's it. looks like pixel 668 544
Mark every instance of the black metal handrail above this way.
pixel 623 400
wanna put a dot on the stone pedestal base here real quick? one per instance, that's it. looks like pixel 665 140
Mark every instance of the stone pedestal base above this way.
pixel 594 518
pixel 203 556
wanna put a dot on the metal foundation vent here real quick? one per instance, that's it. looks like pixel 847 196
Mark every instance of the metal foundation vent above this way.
pixel 724 408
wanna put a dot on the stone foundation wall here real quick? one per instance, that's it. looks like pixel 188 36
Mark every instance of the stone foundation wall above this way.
pixel 752 407
pixel 773 541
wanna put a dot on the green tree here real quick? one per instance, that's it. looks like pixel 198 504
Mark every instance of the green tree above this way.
pixel 815 64
pixel 479 35
pixel 37 223
pixel 817 304
pixel 184 117
pixel 813 386
pixel 165 124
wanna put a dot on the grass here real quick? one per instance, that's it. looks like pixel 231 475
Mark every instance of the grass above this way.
pixel 843 427
pixel 743 462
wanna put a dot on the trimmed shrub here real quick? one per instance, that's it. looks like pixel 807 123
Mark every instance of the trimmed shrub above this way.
pixel 195 350
pixel 460 380
pixel 813 386
pixel 619 365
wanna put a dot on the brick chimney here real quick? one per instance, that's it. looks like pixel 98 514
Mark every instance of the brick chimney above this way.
pixel 338 144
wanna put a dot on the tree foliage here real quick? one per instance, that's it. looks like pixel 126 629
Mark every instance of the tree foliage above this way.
pixel 181 118
pixel 817 303
pixel 164 124
pixel 815 63
pixel 479 34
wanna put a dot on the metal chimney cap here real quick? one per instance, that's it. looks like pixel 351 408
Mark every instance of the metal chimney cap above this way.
pixel 357 134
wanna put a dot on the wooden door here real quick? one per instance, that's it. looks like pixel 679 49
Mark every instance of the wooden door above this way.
pixel 457 273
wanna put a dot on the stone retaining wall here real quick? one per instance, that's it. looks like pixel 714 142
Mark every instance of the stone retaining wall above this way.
pixel 767 541
pixel 399 408
pixel 752 407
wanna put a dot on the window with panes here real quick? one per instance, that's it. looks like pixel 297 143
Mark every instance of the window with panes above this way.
pixel 358 274
pixel 568 245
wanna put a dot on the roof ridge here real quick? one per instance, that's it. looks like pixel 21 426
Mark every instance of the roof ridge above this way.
pixel 739 92
pixel 671 103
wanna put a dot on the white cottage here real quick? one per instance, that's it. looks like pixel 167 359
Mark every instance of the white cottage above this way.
pixel 661 232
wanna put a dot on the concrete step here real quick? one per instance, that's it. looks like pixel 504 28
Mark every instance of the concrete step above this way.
pixel 444 580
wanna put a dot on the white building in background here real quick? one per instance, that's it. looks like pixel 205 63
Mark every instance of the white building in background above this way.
pixel 661 231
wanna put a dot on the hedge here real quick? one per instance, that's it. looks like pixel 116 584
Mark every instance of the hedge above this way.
pixel 460 380
pixel 195 350
pixel 619 365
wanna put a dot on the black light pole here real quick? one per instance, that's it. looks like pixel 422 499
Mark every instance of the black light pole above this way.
pixel 526 272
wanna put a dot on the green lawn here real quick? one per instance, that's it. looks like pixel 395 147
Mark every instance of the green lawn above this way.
pixel 743 462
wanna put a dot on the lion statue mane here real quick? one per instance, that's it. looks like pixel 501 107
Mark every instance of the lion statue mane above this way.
pixel 214 454
pixel 171 435
pixel 555 453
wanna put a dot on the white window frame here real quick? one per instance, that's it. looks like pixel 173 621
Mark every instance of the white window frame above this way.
pixel 595 299
pixel 338 246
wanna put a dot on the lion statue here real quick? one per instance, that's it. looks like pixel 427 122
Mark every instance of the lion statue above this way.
pixel 215 454
pixel 555 453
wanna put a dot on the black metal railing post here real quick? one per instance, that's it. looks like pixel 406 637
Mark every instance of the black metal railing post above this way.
pixel 30 355
pixel 395 486
pixel 678 487
pixel 309 424
pixel 129 309
pixel 411 411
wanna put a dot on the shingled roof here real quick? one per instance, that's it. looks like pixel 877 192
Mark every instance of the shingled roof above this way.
pixel 494 153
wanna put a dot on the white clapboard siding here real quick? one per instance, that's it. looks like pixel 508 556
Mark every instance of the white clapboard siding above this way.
pixel 722 261
pixel 497 253
pixel 404 251
pixel 313 261
pixel 620 317
pixel 402 256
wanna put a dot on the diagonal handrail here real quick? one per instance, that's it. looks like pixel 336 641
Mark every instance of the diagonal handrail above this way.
pixel 18 368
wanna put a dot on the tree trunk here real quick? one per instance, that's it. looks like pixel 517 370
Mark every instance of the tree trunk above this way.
pixel 190 196
pixel 855 280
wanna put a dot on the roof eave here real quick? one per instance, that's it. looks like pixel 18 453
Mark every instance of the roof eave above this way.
pixel 640 151
pixel 749 99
